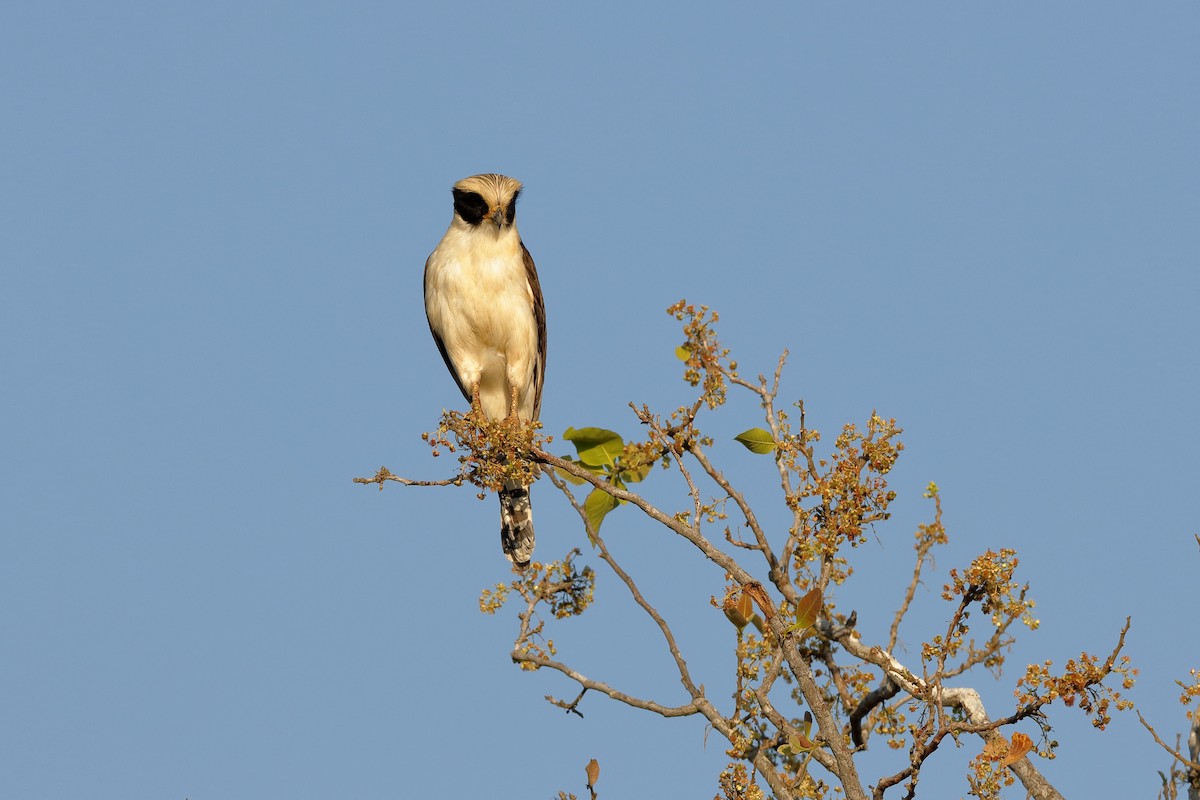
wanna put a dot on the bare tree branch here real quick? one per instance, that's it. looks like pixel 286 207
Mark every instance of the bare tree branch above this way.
pixel 924 544
pixel 684 676
pixel 1189 763
pixel 384 475
pixel 599 686
pixel 751 520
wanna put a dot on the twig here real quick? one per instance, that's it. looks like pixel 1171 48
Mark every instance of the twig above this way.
pixel 384 474
pixel 759 535
pixel 632 587
pixel 689 532
pixel 923 546
pixel 571 707
pixel 1178 756
pixel 813 695
pixel 646 705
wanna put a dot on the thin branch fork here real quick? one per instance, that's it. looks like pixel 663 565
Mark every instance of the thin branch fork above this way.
pixel 680 663
pixel 845 767
pixel 689 532
pixel 1174 751
pixel 760 535
pixel 760 758
pixel 840 763
pixel 384 475
pixel 587 683
pixel 700 704
pixel 923 546
pixel 521 655
pixel 571 707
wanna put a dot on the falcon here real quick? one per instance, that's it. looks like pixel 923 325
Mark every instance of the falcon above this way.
pixel 485 310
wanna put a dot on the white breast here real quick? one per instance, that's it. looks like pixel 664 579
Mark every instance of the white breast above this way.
pixel 480 305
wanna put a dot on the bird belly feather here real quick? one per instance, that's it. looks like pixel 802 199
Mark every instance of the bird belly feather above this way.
pixel 481 307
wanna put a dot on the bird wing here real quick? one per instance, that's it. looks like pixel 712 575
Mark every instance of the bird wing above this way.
pixel 441 346
pixel 539 318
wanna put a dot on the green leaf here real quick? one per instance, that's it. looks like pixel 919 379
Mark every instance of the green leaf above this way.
pixel 620 484
pixel 597 506
pixel 635 475
pixel 566 476
pixel 597 447
pixel 756 440
pixel 683 352
pixel 799 743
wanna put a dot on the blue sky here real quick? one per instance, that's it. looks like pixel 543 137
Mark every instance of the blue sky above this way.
pixel 980 221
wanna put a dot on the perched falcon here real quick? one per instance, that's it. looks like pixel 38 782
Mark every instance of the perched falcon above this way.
pixel 485 310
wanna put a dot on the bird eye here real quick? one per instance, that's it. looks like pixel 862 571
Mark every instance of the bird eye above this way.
pixel 510 213
pixel 470 206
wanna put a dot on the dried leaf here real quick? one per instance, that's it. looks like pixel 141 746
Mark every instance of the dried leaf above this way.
pixel 739 612
pixel 593 772
pixel 807 609
pixel 1021 745
pixel 745 606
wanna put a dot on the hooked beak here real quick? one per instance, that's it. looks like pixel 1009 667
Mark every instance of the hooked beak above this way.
pixel 498 217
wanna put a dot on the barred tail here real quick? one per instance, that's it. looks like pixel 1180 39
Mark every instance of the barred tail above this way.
pixel 516 523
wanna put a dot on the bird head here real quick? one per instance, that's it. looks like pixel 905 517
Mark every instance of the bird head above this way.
pixel 489 198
